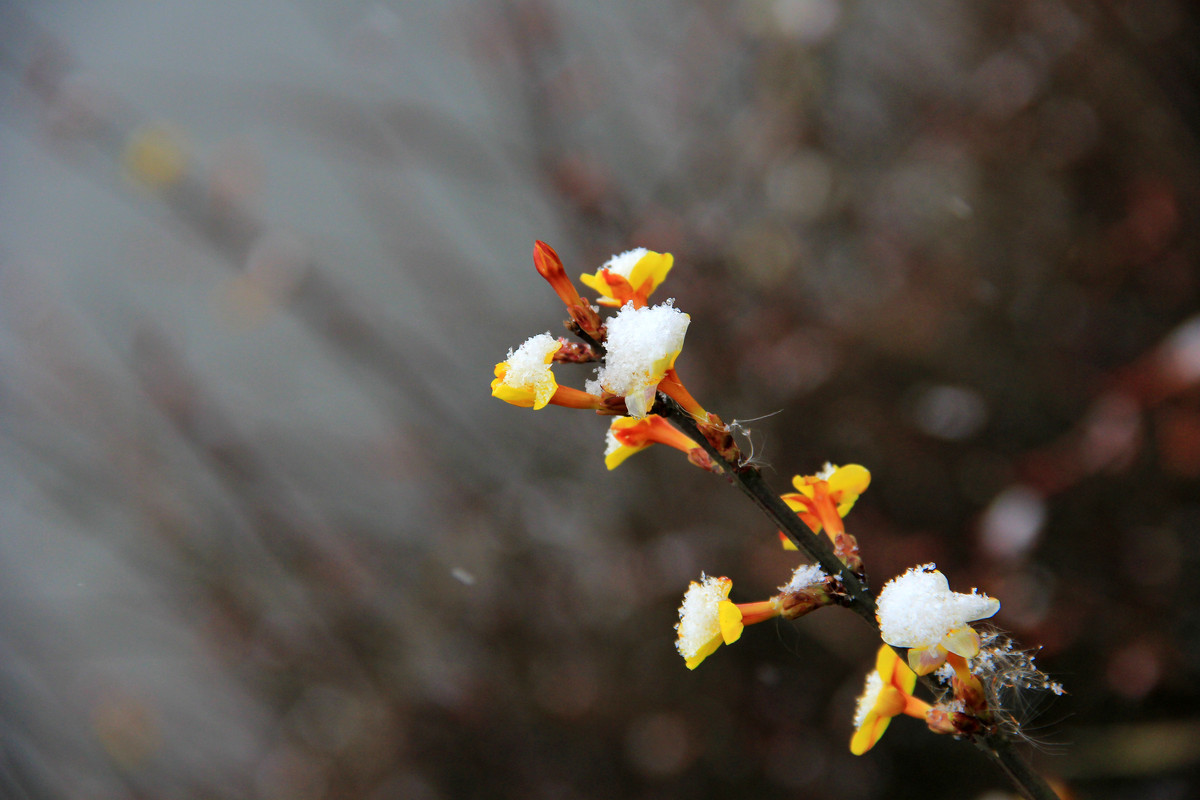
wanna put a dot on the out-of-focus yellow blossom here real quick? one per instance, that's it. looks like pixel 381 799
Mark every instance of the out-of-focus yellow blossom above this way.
pixel 155 156
pixel 887 693
pixel 630 277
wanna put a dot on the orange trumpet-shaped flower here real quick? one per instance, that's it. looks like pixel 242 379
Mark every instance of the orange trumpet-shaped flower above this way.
pixel 628 435
pixel 823 499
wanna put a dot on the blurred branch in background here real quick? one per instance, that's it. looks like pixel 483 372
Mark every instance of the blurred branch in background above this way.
pixel 264 534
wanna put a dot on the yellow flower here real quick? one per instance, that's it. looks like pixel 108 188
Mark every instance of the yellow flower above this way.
pixel 917 610
pixel 709 618
pixel 642 346
pixel 886 694
pixel 822 500
pixel 524 379
pixel 706 619
pixel 630 277
pixel 842 485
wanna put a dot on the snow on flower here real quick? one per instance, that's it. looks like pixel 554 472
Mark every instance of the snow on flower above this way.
pixel 627 436
pixel 917 610
pixel 642 345
pixel 524 378
pixel 706 619
pixel 887 693
pixel 806 575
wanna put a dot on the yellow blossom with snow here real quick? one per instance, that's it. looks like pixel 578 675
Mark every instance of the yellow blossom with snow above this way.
pixel 642 346
pixel 630 277
pixel 887 693
pixel 917 610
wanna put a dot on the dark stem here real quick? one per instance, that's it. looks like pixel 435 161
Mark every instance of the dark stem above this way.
pixel 750 480
pixel 1031 784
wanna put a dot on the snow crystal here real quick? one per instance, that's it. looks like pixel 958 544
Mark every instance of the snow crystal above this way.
pixel 624 263
pixel 866 700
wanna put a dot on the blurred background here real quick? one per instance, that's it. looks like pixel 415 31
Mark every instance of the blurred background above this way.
pixel 265 534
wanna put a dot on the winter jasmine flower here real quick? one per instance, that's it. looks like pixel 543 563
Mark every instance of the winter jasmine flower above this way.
pixel 627 435
pixel 525 379
pixel 708 617
pixel 917 610
pixel 886 694
pixel 642 346
pixel 629 277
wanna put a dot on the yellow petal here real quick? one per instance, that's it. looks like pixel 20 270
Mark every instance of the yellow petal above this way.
pixel 618 456
pixel 802 485
pixel 596 283
pixel 885 662
pixel 517 396
pixel 890 702
pixel 894 671
pixel 652 267
pixel 871 731
pixel 852 478
pixel 962 641
pixel 704 652
pixel 639 403
pixel 730 617
pixel 924 660
pixel 793 501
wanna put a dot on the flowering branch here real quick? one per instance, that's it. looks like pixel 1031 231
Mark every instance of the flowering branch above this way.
pixel 857 597
pixel 750 480
pixel 925 627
